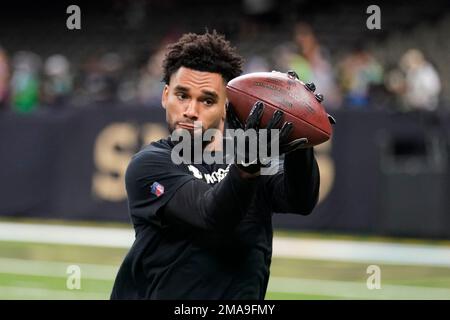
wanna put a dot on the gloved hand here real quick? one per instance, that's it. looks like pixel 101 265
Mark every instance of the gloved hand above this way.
pixel 253 122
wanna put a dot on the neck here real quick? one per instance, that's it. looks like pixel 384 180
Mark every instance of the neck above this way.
pixel 217 141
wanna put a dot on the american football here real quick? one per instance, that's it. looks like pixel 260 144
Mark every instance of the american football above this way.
pixel 298 100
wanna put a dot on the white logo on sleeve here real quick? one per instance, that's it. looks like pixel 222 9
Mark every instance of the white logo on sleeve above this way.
pixel 195 172
pixel 210 178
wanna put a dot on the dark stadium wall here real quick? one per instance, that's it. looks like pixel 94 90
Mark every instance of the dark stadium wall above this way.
pixel 381 174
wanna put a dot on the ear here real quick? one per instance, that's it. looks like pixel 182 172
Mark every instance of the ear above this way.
pixel 224 115
pixel 165 96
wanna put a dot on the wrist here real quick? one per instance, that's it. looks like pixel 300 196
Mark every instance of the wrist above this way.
pixel 248 172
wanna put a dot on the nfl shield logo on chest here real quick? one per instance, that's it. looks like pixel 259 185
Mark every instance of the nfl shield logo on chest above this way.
pixel 157 189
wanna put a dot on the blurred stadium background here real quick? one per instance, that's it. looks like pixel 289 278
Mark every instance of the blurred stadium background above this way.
pixel 76 104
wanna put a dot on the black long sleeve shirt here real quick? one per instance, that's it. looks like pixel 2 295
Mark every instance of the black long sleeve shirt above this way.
pixel 203 231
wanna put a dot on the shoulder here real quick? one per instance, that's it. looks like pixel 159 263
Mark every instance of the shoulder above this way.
pixel 154 157
pixel 156 151
pixel 160 148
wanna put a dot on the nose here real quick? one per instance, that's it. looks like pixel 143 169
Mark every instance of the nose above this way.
pixel 191 111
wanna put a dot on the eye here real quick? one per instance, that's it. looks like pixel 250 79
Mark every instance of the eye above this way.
pixel 208 102
pixel 181 96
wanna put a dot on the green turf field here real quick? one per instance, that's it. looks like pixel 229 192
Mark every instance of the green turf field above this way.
pixel 38 271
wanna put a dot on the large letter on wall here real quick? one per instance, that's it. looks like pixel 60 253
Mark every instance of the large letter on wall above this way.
pixel 113 149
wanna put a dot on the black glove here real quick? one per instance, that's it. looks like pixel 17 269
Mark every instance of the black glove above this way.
pixel 253 122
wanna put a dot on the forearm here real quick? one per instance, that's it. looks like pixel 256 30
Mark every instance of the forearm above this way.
pixel 210 208
pixel 301 180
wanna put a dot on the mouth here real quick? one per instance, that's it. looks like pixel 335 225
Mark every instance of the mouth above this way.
pixel 186 125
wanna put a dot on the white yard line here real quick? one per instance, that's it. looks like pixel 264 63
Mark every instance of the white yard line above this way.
pixel 55 269
pixel 283 247
pixel 71 235
pixel 14 292
pixel 354 290
pixel 363 252
pixel 328 288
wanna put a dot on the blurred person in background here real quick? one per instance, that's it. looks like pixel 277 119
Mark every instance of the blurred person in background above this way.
pixel 57 82
pixel 98 80
pixel 25 82
pixel 256 63
pixel 358 73
pixel 204 230
pixel 282 56
pixel 111 65
pixel 4 79
pixel 422 82
pixel 150 82
pixel 312 65
pixel 416 82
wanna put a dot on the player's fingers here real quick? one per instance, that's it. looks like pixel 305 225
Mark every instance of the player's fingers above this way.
pixel 293 145
pixel 232 119
pixel 285 131
pixel 275 120
pixel 255 116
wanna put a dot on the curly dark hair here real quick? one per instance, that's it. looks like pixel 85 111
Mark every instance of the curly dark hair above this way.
pixel 208 52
